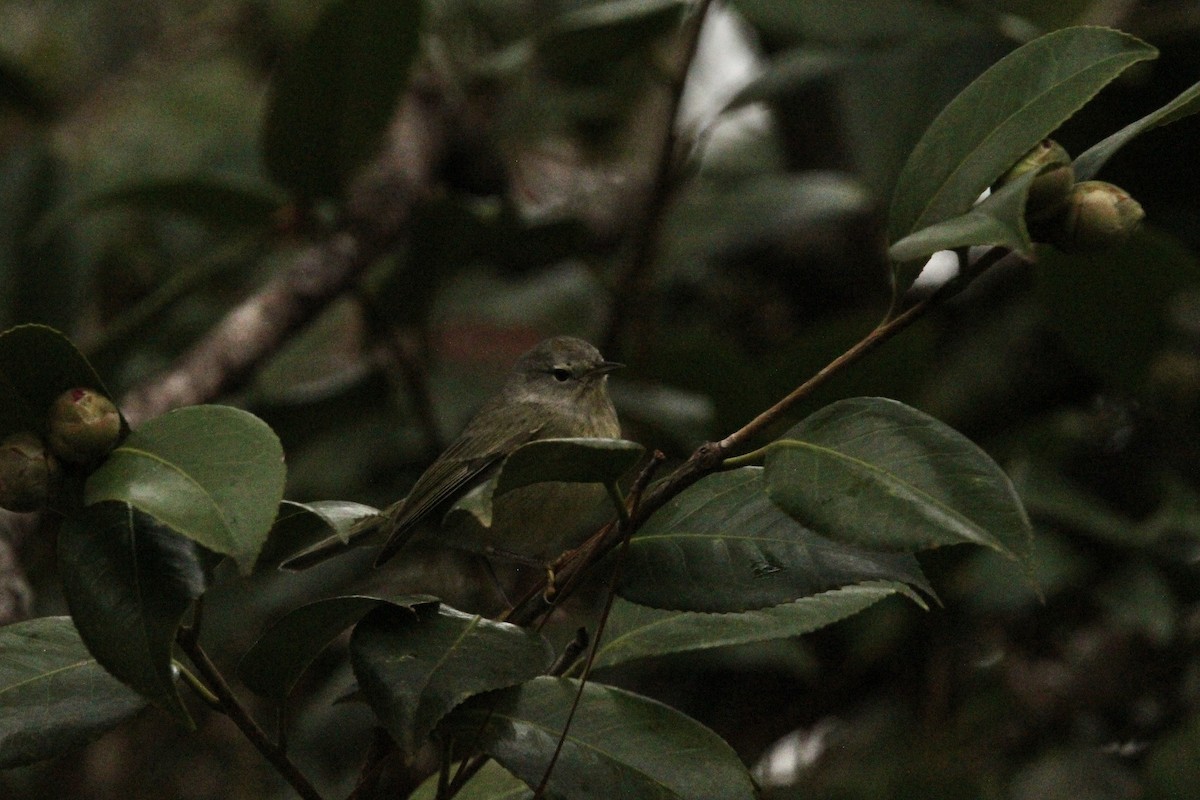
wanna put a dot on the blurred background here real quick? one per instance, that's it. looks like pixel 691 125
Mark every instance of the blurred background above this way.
pixel 1079 375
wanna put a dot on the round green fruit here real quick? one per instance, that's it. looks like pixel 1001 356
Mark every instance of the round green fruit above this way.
pixel 29 473
pixel 83 426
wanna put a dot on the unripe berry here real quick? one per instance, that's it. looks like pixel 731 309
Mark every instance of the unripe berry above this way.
pixel 29 473
pixel 83 426
pixel 1049 190
pixel 1099 216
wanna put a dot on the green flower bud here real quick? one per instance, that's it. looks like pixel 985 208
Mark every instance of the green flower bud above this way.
pixel 1048 192
pixel 84 425
pixel 29 473
pixel 1099 216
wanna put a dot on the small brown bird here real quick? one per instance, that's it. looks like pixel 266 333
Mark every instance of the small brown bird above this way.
pixel 558 389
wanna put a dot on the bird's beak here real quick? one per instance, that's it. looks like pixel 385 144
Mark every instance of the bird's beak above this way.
pixel 605 367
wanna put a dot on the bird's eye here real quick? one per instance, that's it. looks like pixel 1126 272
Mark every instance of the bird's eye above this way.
pixel 561 374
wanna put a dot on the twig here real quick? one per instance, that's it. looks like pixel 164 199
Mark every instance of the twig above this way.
pixel 249 334
pixel 630 287
pixel 711 456
pixel 233 709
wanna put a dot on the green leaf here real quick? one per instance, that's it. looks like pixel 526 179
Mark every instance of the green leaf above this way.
pixel 568 461
pixel 552 460
pixel 619 744
pixel 637 631
pixel 1015 104
pixel 492 782
pixel 301 526
pixel 53 694
pixel 880 474
pixel 332 100
pixel 413 669
pixel 998 220
pixel 213 473
pixel 1095 157
pixel 723 546
pixel 285 650
pixel 37 364
pixel 128 581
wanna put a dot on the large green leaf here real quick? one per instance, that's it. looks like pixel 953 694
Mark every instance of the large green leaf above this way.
pixel 128 581
pixel 637 631
pixel 619 744
pixel 281 655
pixel 53 694
pixel 723 546
pixel 332 99
pixel 37 364
pixel 413 669
pixel 213 473
pixel 993 122
pixel 552 460
pixel 1095 157
pixel 878 473
pixel 999 220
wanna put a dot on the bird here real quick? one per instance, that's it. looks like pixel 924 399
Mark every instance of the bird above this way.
pixel 557 389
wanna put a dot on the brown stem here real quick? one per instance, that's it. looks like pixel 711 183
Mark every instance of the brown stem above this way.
pixel 631 285
pixel 710 457
pixel 233 709
pixel 228 355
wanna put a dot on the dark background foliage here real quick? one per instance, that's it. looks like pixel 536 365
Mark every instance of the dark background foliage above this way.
pixel 137 208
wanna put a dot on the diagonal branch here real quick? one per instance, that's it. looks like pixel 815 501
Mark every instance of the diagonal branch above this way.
pixel 379 206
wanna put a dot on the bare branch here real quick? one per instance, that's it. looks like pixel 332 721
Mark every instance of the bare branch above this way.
pixel 379 206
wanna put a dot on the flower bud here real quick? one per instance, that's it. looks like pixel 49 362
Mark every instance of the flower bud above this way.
pixel 1049 190
pixel 1098 216
pixel 29 473
pixel 83 426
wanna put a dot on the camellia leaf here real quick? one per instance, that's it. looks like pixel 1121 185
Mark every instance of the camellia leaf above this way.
pixel 53 694
pixel 723 546
pixel 997 220
pixel 1095 157
pixel 1012 106
pixel 213 473
pixel 413 669
pixel 301 526
pixel 581 460
pixel 128 581
pixel 880 474
pixel 637 631
pixel 568 461
pixel 619 744
pixel 281 655
pixel 37 364
pixel 332 100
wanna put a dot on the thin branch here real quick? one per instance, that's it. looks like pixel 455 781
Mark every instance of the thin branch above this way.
pixel 711 456
pixel 233 709
pixel 227 357
pixel 630 288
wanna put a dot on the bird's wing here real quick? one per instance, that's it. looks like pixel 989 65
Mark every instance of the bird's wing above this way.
pixel 445 478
